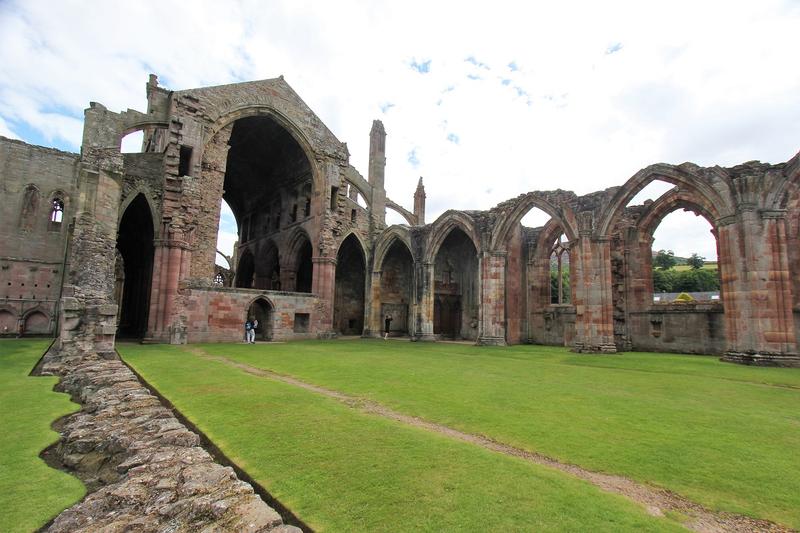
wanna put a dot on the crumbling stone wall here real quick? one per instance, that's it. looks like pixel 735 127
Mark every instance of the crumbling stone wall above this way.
pixel 32 246
pixel 183 170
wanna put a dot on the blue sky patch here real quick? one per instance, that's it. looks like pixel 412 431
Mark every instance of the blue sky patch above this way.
pixel 513 66
pixel 479 64
pixel 613 48
pixel 386 107
pixel 412 158
pixel 423 67
pixel 506 81
pixel 453 138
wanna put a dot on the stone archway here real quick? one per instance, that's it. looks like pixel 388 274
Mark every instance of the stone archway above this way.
pixel 135 246
pixel 349 292
pixel 263 311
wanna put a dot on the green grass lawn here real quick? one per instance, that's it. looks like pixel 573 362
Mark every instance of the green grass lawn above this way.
pixel 724 435
pixel 339 469
pixel 31 493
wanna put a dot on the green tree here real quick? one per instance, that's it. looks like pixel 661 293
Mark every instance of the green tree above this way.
pixel 696 262
pixel 664 259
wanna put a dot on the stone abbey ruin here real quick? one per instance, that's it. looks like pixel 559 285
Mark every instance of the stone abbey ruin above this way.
pixel 102 244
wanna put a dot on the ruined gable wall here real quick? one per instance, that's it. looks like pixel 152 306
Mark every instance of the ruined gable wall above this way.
pixel 32 248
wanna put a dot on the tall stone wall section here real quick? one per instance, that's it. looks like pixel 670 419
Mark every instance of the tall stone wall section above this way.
pixel 33 247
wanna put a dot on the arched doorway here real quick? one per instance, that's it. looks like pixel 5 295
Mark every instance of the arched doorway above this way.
pixel 348 313
pixel 455 304
pixel 397 280
pixel 261 309
pixel 135 245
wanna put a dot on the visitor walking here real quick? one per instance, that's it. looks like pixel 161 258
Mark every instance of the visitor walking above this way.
pixel 387 323
pixel 255 329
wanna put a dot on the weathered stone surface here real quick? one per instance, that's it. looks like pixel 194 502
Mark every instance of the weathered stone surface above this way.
pixel 147 471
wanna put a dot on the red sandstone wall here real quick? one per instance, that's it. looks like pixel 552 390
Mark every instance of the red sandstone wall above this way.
pixel 218 315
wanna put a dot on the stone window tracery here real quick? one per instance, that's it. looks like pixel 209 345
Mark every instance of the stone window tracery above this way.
pixel 559 269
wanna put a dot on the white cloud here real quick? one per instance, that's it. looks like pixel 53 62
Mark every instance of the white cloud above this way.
pixel 707 82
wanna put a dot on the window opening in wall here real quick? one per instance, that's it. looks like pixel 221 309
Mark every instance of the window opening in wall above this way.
pixel 684 258
pixel 352 215
pixel 277 224
pixel 559 271
pixel 294 213
pixel 301 321
pixel 307 209
pixel 334 198
pixel 57 211
pixel 185 162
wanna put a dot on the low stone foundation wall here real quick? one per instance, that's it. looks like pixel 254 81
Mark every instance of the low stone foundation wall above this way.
pixel 146 469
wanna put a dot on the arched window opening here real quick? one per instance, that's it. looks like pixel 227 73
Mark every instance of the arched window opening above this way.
pixel 559 271
pixel 303 268
pixel 651 192
pixel 245 270
pixel 535 218
pixel 227 235
pixel 684 258
pixel 57 210
pixel 268 186
pixel 133 143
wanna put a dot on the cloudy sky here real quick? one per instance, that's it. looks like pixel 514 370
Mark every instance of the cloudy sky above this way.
pixel 485 100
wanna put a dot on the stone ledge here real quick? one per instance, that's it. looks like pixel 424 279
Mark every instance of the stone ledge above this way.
pixel 762 359
pixel 146 469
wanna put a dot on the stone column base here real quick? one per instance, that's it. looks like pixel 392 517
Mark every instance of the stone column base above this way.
pixel 580 347
pixel 762 359
pixel 487 340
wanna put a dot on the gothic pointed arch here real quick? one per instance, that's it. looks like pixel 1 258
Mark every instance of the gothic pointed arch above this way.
pixel 350 286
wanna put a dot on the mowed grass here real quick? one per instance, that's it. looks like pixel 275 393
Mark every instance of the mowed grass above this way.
pixel 339 469
pixel 724 435
pixel 31 493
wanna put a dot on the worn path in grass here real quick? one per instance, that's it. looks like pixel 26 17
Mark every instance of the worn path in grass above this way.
pixel 658 502
pixel 31 493
pixel 340 469
pixel 722 435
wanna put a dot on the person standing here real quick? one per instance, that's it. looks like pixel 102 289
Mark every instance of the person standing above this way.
pixel 255 329
pixel 248 331
pixel 387 322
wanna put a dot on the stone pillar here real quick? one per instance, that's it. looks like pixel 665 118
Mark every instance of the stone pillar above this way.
pixel 87 311
pixel 757 291
pixel 377 167
pixel 419 203
pixel 373 323
pixel 204 192
pixel 492 321
pixel 324 285
pixel 424 289
pixel 171 264
pixel 594 328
